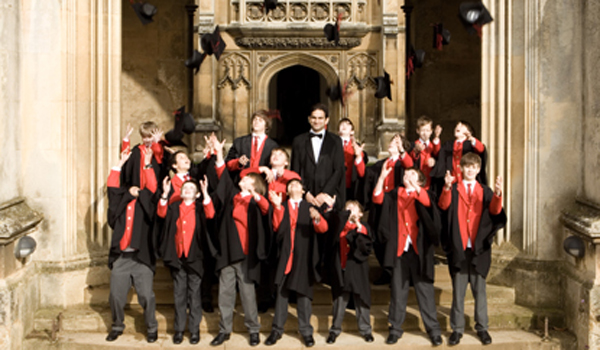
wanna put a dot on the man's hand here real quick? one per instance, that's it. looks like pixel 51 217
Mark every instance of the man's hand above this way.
pixel 314 214
pixel 148 156
pixel 498 186
pixel 276 199
pixel 166 185
pixel 124 157
pixel 268 173
pixel 437 132
pixel 431 162
pixel 134 191
pixel 327 199
pixel 311 199
pixel 243 160
pixel 448 180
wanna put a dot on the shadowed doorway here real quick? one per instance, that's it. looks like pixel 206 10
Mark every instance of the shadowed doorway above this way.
pixel 293 91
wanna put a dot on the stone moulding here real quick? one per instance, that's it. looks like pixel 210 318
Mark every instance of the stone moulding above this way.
pixel 296 43
pixel 16 219
pixel 584 219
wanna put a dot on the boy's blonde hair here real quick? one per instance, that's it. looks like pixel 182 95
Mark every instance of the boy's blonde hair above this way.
pixel 146 128
pixel 423 120
pixel 470 159
pixel 259 183
pixel 358 205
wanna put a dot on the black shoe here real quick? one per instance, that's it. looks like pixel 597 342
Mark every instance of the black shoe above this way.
pixel 309 341
pixel 207 307
pixel 273 338
pixel 384 279
pixel 151 337
pixel 331 338
pixel 485 337
pixel 219 339
pixel 368 338
pixel 436 340
pixel 177 337
pixel 254 339
pixel 454 338
pixel 392 339
pixel 194 338
pixel 113 335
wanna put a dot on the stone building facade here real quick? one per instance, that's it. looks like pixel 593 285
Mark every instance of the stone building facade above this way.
pixel 75 73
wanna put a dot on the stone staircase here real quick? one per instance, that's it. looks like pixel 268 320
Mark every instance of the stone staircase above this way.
pixel 511 326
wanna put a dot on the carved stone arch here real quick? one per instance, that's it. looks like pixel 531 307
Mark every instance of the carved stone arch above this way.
pixel 318 63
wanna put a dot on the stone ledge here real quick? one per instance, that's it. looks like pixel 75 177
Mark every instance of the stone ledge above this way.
pixel 16 219
pixel 583 218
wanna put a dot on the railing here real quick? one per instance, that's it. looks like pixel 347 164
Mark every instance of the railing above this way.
pixel 299 11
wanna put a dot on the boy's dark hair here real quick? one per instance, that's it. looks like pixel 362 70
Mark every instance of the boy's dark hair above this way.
pixel 192 181
pixel 259 183
pixel 420 176
pixel 322 107
pixel 470 159
pixel 173 159
pixel 357 203
pixel 282 150
pixel 264 115
pixel 147 127
pixel 424 120
pixel 287 186
pixel 347 120
pixel 467 125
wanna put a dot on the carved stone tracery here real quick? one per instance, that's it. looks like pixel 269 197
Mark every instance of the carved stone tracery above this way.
pixel 235 71
pixel 296 43
pixel 362 69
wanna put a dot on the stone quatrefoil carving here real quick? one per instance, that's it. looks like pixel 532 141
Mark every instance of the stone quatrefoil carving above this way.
pixel 303 11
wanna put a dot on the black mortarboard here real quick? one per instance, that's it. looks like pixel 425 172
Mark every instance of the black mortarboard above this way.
pixel 213 44
pixel 144 11
pixel 336 92
pixel 195 61
pixel 384 87
pixel 175 138
pixel 473 16
pixel 270 5
pixel 332 31
pixel 184 122
pixel 441 36
pixel 419 58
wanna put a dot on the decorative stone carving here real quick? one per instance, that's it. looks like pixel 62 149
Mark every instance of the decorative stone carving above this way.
pixel 296 43
pixel 362 69
pixel 278 14
pixel 298 12
pixel 235 70
pixel 345 9
pixel 16 218
pixel 320 12
pixel 254 12
pixel 301 11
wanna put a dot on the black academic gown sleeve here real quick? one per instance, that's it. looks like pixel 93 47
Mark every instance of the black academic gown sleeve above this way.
pixel 141 238
pixel 130 172
pixel 429 225
pixel 229 249
pixel 488 226
pixel 355 277
pixel 304 271
pixel 200 241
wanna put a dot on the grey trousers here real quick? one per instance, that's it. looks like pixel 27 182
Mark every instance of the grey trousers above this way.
pixel 363 313
pixel 126 270
pixel 227 282
pixel 406 268
pixel 303 306
pixel 186 295
pixel 468 275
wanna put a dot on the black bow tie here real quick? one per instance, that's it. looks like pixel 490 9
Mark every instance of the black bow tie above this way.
pixel 312 134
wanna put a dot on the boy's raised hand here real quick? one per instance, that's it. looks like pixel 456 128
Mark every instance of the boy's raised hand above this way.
pixel 148 156
pixel 358 148
pixel 418 147
pixel 275 198
pixel 269 176
pixel 498 186
pixel 437 132
pixel 124 157
pixel 448 179
pixel 157 135
pixel 128 132
pixel 204 186
pixel 385 171
pixel 243 160
pixel 169 149
pixel 166 185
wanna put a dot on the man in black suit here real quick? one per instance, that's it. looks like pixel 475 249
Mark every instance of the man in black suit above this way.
pixel 318 157
pixel 252 150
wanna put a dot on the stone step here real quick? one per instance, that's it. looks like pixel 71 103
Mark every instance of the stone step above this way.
pixel 98 319
pixel 502 340
pixel 380 295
